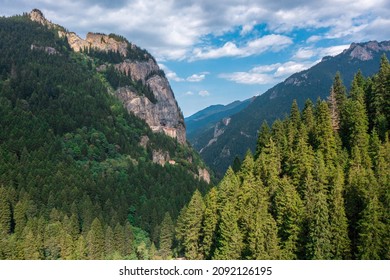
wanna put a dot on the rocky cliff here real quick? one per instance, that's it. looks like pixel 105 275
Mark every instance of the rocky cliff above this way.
pixel 164 115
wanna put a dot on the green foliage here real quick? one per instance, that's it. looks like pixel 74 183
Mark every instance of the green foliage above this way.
pixel 72 170
pixel 307 194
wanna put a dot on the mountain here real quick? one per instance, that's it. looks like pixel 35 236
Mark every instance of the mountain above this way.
pixel 240 133
pixel 316 188
pixel 205 119
pixel 161 112
pixel 93 153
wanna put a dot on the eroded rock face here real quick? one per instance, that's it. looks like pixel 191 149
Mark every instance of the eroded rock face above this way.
pixel 106 43
pixel 163 115
pixel 204 175
pixel 161 157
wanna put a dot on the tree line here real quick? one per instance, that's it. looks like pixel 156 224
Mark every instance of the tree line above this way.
pixel 317 186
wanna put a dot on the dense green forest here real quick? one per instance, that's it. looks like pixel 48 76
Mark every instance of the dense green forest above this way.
pixel 317 187
pixel 75 182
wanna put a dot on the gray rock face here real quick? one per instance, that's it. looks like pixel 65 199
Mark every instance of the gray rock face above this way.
pixel 365 51
pixel 162 116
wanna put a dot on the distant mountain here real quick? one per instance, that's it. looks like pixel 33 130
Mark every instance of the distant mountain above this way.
pixel 240 133
pixel 205 119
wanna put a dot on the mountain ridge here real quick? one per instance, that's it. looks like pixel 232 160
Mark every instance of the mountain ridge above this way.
pixel 164 115
pixel 241 133
pixel 203 120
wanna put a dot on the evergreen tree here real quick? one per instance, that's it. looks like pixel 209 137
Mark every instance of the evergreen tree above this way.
pixel 192 222
pixel 334 110
pixel 166 237
pixel 263 139
pixel 210 222
pixel 371 232
pixel 339 90
pixel 95 241
pixel 230 243
pixel 5 212
pixel 337 218
pixel 381 97
pixel 319 239
pixel 324 135
pixel 289 216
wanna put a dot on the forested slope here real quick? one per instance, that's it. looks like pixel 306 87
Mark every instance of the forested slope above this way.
pixel 318 186
pixel 77 177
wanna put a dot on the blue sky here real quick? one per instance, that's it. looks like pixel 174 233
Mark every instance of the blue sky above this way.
pixel 216 52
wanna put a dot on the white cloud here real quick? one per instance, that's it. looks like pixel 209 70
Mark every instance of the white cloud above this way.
pixel 304 53
pixel 271 42
pixel 203 93
pixel 290 67
pixel 171 29
pixel 267 74
pixel 248 78
pixel 196 78
pixel 173 76
pixel 313 39
pixel 189 93
pixel 332 51
pixel 315 53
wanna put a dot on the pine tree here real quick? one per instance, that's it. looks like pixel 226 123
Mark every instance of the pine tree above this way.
pixel 337 218
pixel 268 167
pixel 166 237
pixel 128 238
pixel 5 212
pixel 360 183
pixel 52 245
pixel 230 244
pixel 192 227
pixel 381 97
pixel 289 216
pixel 293 123
pixel 80 248
pixel 30 246
pixel 324 135
pixel 309 120
pixel 95 241
pixel 319 238
pixel 210 222
pixel 263 138
pixel 108 242
pixel 371 232
pixel 339 90
pixel 334 110
pixel 119 240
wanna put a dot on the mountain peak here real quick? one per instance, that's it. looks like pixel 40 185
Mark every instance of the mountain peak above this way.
pixel 37 15
pixel 366 51
pixel 162 114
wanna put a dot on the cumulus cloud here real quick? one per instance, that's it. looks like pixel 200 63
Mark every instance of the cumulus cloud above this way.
pixel 316 53
pixel 171 29
pixel 173 76
pixel 271 42
pixel 196 78
pixel 266 74
pixel 203 93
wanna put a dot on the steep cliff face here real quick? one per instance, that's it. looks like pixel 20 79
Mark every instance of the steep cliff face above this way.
pixel 163 115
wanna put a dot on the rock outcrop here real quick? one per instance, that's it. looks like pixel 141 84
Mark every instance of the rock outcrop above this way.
pixel 204 175
pixel 366 51
pixel 163 114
